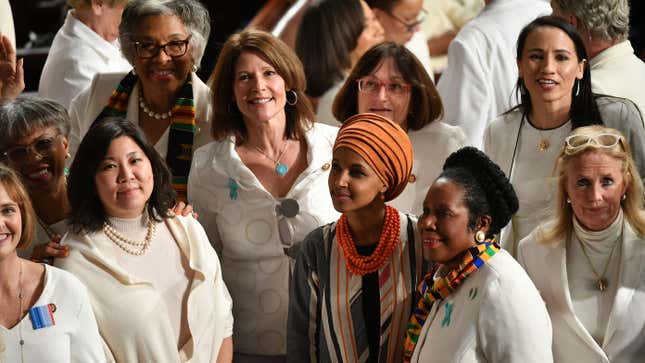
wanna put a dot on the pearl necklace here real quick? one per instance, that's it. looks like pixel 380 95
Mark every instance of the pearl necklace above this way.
pixel 149 112
pixel 132 247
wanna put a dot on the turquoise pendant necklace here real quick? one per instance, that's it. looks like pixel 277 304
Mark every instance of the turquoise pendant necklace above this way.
pixel 280 168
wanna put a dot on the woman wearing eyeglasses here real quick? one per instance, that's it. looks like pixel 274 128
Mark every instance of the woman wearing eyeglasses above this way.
pixel 589 261
pixel 261 186
pixel 164 41
pixel 555 91
pixel 401 20
pixel 390 81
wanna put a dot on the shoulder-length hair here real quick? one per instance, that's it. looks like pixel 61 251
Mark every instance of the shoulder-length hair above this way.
pixel 17 192
pixel 584 110
pixel 192 14
pixel 88 214
pixel 425 104
pixel 632 205
pixel 227 119
pixel 327 35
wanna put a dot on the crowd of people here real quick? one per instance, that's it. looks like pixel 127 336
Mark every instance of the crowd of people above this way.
pixel 324 201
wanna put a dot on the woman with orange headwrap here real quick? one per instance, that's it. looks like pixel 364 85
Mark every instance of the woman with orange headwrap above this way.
pixel 353 282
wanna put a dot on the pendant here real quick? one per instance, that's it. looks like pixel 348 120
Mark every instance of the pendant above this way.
pixel 281 169
pixel 601 284
pixel 544 144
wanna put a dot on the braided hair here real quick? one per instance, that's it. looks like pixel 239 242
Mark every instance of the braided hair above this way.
pixel 487 190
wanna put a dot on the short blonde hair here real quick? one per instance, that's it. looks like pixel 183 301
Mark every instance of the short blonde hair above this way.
pixel 16 191
pixel 632 205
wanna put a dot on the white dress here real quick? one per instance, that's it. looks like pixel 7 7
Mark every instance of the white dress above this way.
pixel 73 338
pixel 479 81
pixel 75 56
pixel 324 112
pixel 258 240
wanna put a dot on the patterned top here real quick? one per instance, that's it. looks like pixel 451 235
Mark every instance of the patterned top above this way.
pixel 326 321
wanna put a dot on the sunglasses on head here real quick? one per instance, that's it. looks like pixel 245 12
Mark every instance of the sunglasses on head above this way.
pixel 573 143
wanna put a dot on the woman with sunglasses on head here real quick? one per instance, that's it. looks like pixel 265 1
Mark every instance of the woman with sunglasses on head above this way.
pixel 589 261
pixel 153 278
pixel 555 91
pixel 260 187
pixel 477 303
pixel 354 279
pixel 164 40
pixel 401 20
pixel 390 81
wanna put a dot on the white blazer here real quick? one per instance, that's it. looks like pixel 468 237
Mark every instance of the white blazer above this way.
pixel 625 335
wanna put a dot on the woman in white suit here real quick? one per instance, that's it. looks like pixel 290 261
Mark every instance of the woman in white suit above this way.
pixel 589 262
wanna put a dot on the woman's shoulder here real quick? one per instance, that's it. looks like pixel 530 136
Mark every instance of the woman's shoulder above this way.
pixel 508 117
pixel 64 281
pixel 438 131
pixel 320 132
pixel 505 275
pixel 316 241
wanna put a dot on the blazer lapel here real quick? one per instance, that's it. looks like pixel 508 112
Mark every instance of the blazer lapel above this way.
pixel 560 284
pixel 632 270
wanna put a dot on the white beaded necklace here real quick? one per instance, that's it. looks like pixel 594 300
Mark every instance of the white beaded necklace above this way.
pixel 132 247
pixel 149 112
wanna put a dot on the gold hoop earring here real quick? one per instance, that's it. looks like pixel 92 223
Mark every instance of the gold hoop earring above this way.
pixel 480 236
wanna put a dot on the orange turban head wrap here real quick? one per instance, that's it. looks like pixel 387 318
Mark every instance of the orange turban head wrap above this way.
pixel 384 145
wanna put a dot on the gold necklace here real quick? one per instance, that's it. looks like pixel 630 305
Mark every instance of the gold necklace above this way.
pixel 601 280
pixel 132 247
pixel 20 296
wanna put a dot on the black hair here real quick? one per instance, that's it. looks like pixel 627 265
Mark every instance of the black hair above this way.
pixel 328 33
pixel 584 110
pixel 88 214
pixel 487 190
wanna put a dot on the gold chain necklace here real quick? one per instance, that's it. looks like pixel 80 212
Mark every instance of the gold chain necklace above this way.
pixel 132 247
pixel 601 280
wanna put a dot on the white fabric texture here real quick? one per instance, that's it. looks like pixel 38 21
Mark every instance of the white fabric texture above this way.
pixel 496 315
pixel 142 332
pixel 6 22
pixel 591 306
pixel 86 107
pixel 324 112
pixel 432 145
pixel 624 338
pixel 74 336
pixel 616 71
pixel 77 53
pixel 537 194
pixel 243 222
pixel 478 84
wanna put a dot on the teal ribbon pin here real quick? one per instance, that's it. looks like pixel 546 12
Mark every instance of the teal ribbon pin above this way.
pixel 232 188
pixel 446 318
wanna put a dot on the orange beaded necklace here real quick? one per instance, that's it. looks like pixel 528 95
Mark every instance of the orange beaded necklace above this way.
pixel 362 265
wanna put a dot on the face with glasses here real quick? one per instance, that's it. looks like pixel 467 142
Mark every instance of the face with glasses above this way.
pixel 39 158
pixel 385 92
pixel 162 53
pixel 595 181
pixel 402 20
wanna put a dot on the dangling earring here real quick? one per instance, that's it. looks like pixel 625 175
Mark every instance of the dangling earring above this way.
pixel 295 97
pixel 480 236
pixel 194 68
pixel 68 155
pixel 623 197
pixel 577 87
pixel 382 196
pixel 568 200
pixel 522 87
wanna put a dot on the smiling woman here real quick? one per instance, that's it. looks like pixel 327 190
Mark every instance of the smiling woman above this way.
pixel 156 271
pixel 164 41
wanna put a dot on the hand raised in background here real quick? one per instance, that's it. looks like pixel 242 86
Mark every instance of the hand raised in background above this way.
pixel 12 77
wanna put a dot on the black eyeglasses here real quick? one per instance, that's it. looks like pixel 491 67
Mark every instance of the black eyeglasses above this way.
pixel 173 49
pixel 41 147
pixel 410 27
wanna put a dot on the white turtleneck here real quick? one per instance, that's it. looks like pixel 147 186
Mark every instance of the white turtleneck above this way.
pixel 591 306
pixel 163 265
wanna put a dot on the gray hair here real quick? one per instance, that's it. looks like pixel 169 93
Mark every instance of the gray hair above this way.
pixel 603 19
pixel 24 115
pixel 191 13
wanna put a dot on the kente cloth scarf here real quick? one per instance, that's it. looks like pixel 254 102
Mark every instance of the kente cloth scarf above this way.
pixel 431 291
pixel 182 128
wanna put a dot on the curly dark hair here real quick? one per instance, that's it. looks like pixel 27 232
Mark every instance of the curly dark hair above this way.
pixel 487 190
pixel 88 214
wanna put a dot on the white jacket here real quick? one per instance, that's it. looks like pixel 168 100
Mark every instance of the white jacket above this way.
pixel 243 221
pixel 86 107
pixel 496 315
pixel 75 56
pixel 479 81
pixel 625 335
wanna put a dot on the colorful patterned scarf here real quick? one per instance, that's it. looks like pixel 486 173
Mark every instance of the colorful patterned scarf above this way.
pixel 431 291
pixel 182 128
